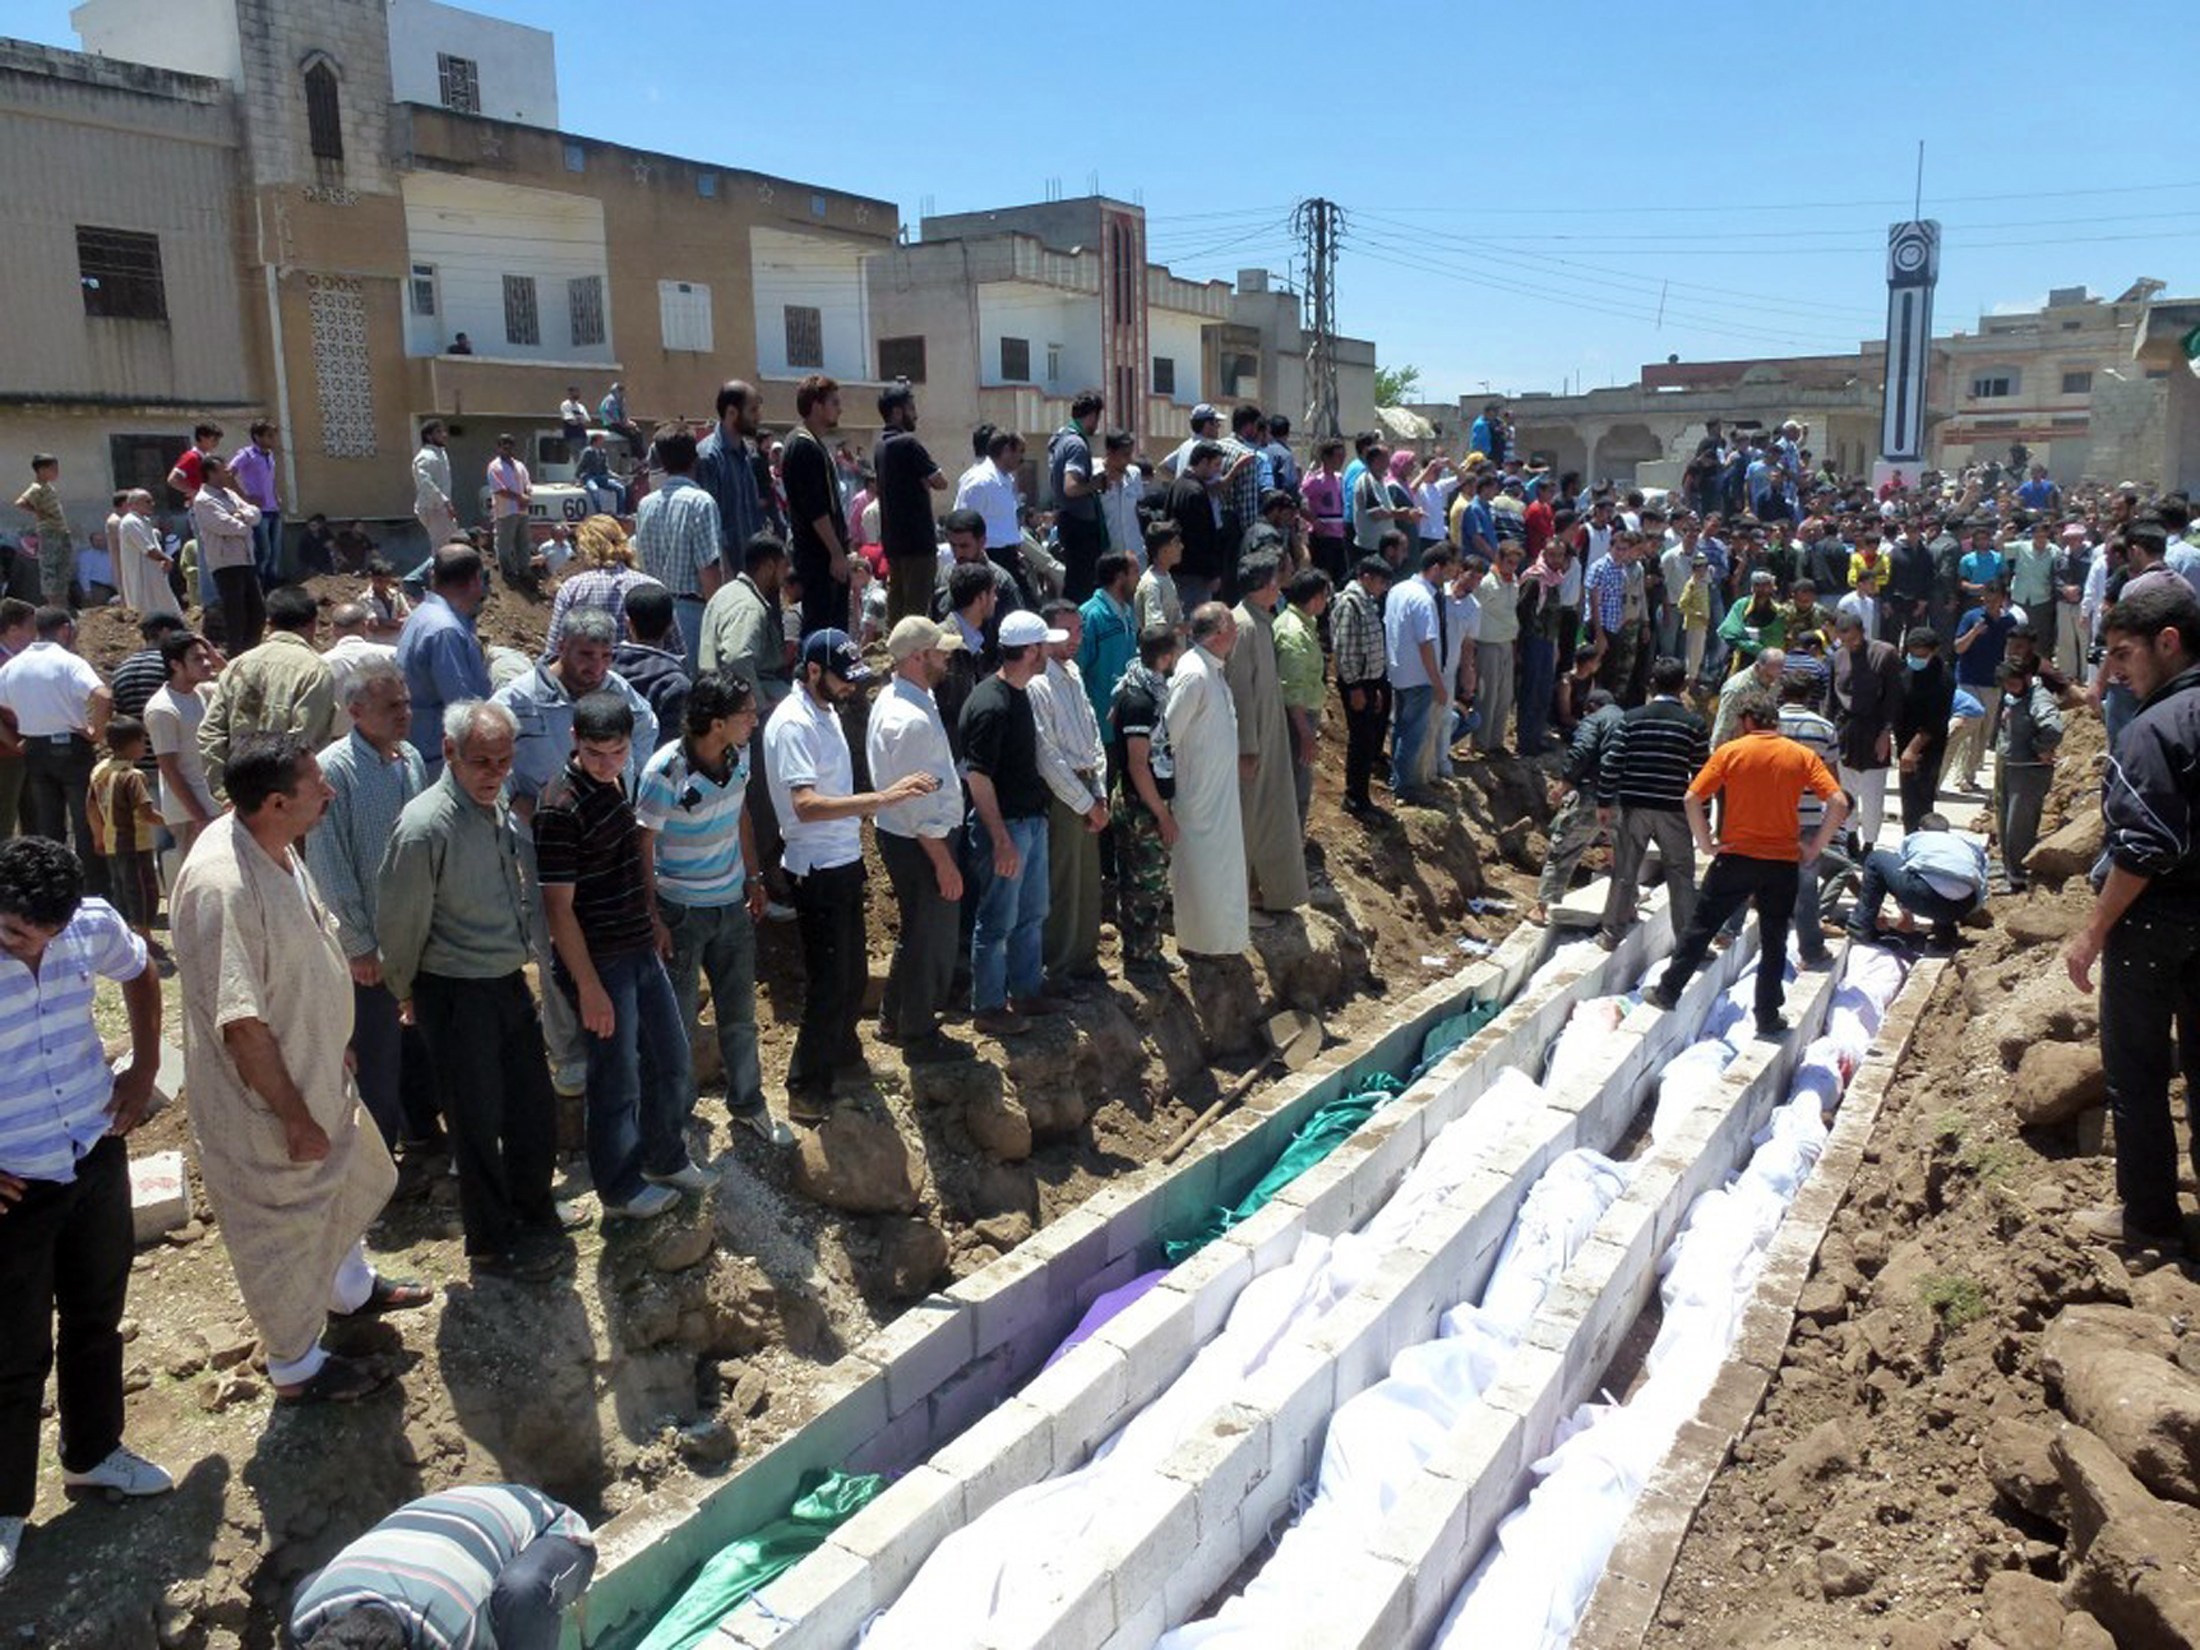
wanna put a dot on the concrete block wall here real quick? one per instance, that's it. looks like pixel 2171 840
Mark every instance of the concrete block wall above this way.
pixel 945 1363
pixel 1398 1590
pixel 1088 1394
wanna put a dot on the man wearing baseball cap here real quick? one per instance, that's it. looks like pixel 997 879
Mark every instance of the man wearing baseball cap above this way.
pixel 812 779
pixel 1008 836
pixel 916 841
pixel 1206 426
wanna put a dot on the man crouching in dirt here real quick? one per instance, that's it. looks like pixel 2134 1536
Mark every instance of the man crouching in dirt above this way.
pixel 2145 928
pixel 65 1234
pixel 441 1569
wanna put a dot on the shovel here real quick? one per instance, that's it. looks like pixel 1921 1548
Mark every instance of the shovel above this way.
pixel 1294 1038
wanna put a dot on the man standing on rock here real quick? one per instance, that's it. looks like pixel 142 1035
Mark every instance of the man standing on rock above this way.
pixel 454 914
pixel 1146 822
pixel 1268 807
pixel 812 777
pixel 1207 864
pixel 293 1177
pixel 65 1227
pixel 438 650
pixel 2145 927
pixel 1007 853
pixel 916 841
pixel 1760 851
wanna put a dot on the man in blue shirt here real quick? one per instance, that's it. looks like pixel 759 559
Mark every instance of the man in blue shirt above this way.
pixel 66 1237
pixel 2039 493
pixel 438 651
pixel 1982 637
pixel 725 468
pixel 1488 434
pixel 1938 875
pixel 1982 564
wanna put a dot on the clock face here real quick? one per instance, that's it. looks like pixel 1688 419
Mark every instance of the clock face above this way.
pixel 1909 256
pixel 1910 252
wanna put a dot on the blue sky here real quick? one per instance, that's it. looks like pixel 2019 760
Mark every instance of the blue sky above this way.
pixel 1514 217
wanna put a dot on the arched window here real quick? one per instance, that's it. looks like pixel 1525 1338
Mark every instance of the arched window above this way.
pixel 324 114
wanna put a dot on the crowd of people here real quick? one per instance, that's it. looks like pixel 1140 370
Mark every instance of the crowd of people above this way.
pixel 368 828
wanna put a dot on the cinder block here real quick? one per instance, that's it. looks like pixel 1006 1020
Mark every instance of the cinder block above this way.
pixel 1296 1389
pixel 930 1341
pixel 160 1195
pixel 851 1400
pixel 826 1597
pixel 1083 1619
pixel 1005 1296
pixel 1084 1396
pixel 1000 1453
pixel 1071 1248
pixel 1212 1281
pixel 1224 1542
pixel 1099 1281
pixel 894 1535
pixel 1224 1460
pixel 1155 1329
pixel 1364 1605
pixel 1160 1522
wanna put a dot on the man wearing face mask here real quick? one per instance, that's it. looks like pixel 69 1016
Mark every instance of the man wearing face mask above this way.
pixel 1921 723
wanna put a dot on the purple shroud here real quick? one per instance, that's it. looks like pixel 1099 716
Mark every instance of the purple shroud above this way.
pixel 1106 1307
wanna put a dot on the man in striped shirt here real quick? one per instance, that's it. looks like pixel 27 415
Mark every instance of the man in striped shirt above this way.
pixel 1361 658
pixel 487 1563
pixel 676 537
pixel 65 1227
pixel 708 902
pixel 1655 753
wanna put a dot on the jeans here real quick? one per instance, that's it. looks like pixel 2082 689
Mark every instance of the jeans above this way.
pixel 1363 733
pixel 1884 874
pixel 2150 980
pixel 921 977
pixel 532 1593
pixel 604 498
pixel 688 611
pixel 267 548
pixel 1538 678
pixel 394 1082
pixel 65 1253
pixel 1733 881
pixel 718 943
pixel 1005 946
pixel 244 610
pixel 1408 737
pixel 1638 828
pixel 641 1079
pixel 57 773
pixel 824 598
pixel 484 1041
pixel 828 905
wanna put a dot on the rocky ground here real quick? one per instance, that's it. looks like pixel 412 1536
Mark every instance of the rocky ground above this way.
pixel 1986 1429
pixel 681 1348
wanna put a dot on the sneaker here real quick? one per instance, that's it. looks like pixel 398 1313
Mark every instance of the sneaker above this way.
pixel 124 1471
pixel 2110 1224
pixel 11 1543
pixel 1655 996
pixel 997 1022
pixel 570 1080
pixel 688 1177
pixel 647 1204
pixel 761 1123
pixel 1772 1030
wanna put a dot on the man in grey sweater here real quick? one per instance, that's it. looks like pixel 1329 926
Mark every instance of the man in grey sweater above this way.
pixel 455 912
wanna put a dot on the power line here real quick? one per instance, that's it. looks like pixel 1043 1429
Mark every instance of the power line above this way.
pixel 1786 206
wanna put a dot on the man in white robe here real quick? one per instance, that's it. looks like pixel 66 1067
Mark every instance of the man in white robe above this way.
pixel 1207 865
pixel 1267 795
pixel 294 1170
pixel 141 560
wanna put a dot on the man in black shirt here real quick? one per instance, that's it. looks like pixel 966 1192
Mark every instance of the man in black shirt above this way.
pixel 1008 834
pixel 1077 495
pixel 819 524
pixel 907 478
pixel 1199 571
pixel 601 901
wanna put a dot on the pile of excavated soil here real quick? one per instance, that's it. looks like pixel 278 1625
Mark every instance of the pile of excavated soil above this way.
pixel 680 1349
pixel 1986 1428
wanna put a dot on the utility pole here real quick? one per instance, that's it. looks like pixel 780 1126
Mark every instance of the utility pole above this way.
pixel 1319 224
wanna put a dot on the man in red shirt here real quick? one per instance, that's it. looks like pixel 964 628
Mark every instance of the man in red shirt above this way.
pixel 1758 860
pixel 189 473
pixel 1540 520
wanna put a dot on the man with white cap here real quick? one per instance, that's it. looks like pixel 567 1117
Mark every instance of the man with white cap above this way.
pixel 1008 834
pixel 813 789
pixel 916 841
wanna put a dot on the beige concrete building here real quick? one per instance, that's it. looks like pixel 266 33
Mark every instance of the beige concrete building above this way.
pixel 1002 316
pixel 294 210
pixel 2071 381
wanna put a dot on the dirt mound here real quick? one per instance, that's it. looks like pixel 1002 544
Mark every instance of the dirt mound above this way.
pixel 2016 1405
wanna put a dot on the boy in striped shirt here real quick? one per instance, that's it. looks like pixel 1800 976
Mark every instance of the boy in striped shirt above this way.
pixel 690 805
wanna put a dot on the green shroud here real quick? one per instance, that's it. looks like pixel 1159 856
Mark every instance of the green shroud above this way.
pixel 742 1566
pixel 1331 1125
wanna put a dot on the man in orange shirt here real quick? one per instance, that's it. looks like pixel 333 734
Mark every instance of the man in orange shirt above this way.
pixel 1762 778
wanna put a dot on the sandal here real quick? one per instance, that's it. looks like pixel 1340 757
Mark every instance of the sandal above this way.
pixel 339 1380
pixel 388 1295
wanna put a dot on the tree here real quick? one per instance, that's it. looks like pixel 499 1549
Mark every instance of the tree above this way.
pixel 1395 386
